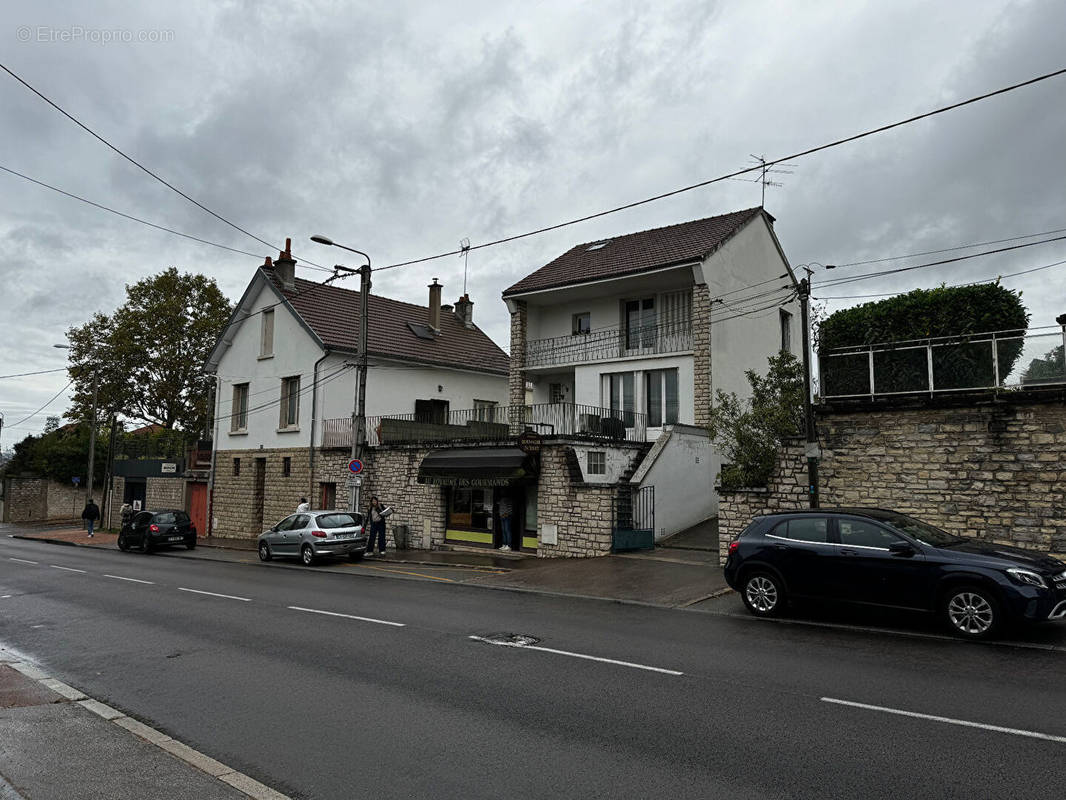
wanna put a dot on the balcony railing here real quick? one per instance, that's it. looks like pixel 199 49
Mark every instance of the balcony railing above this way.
pixel 610 344
pixel 995 360
pixel 495 424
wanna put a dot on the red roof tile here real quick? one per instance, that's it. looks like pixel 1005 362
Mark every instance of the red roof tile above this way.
pixel 637 252
pixel 333 314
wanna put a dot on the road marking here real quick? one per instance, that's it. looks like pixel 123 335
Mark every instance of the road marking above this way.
pixel 5 597
pixel 949 720
pixel 577 655
pixel 216 594
pixel 131 580
pixel 21 560
pixel 349 616
pixel 403 572
pixel 68 569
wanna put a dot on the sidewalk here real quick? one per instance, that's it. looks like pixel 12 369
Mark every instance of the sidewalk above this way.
pixel 56 743
pixel 673 577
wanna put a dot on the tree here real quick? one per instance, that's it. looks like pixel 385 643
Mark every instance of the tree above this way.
pixel 958 312
pixel 148 354
pixel 60 455
pixel 749 432
pixel 1050 367
pixel 51 424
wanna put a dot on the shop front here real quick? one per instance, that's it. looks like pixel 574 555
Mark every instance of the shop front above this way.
pixel 479 485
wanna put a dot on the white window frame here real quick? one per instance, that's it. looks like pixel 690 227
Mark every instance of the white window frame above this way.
pixel 601 465
pixel 266 334
pixel 238 421
pixel 485 410
pixel 290 403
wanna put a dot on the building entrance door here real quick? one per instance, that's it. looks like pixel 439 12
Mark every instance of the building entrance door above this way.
pixel 198 507
pixel 259 493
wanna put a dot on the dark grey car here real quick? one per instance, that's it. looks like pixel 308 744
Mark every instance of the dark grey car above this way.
pixel 310 535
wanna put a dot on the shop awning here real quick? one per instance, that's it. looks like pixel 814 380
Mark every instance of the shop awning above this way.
pixel 482 466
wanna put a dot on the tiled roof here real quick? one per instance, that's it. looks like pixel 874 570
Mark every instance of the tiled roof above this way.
pixel 333 314
pixel 636 252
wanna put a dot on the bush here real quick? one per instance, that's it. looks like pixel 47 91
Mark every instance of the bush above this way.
pixel 749 432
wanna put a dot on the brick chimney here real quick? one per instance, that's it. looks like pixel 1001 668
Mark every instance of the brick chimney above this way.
pixel 434 305
pixel 285 267
pixel 464 310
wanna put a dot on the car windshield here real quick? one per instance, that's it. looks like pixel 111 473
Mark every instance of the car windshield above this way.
pixel 339 521
pixel 923 532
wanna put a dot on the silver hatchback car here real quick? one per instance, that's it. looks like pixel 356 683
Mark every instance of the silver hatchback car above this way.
pixel 310 535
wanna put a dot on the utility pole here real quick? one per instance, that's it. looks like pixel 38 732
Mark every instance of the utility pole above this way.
pixel 808 410
pixel 359 415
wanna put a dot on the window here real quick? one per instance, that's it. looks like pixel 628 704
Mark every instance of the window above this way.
pixel 328 494
pixel 166 518
pixel 330 521
pixel 290 402
pixel 238 420
pixel 181 516
pixel 285 524
pixel 804 530
pixel 236 466
pixel 640 323
pixel 864 534
pixel 266 343
pixel 620 391
pixel 485 410
pixel 597 462
pixel 582 323
pixel 142 519
pixel 432 412
pixel 597 245
pixel 286 467
pixel 786 331
pixel 471 508
pixel 660 397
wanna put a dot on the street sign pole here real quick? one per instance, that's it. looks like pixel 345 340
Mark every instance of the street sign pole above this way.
pixel 808 410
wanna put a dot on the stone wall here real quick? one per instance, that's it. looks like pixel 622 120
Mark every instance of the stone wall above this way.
pixel 517 375
pixel 233 510
pixel 392 475
pixel 163 493
pixel 581 511
pixel 991 470
pixel 701 355
pixel 26 499
pixel 66 501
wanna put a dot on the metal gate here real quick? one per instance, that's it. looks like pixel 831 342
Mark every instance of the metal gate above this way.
pixel 633 519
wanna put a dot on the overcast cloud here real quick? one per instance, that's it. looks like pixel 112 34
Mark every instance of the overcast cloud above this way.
pixel 400 128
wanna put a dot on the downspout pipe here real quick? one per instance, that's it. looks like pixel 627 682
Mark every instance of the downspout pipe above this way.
pixel 214 451
pixel 314 420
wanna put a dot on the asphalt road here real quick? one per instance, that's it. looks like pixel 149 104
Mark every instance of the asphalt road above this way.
pixel 396 699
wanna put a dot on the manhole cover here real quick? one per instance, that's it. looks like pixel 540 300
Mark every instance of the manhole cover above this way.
pixel 512 639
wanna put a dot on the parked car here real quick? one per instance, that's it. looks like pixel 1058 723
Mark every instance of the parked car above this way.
pixel 151 530
pixel 311 535
pixel 884 558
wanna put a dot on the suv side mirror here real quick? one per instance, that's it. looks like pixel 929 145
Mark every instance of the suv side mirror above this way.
pixel 901 548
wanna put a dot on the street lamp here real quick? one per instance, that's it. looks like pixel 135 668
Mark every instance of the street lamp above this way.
pixel 359 411
pixel 92 426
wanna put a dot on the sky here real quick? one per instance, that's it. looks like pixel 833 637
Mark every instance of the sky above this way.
pixel 402 128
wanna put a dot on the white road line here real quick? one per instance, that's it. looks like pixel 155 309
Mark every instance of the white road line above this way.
pixel 21 560
pixel 349 616
pixel 131 580
pixel 5 597
pixel 949 720
pixel 68 569
pixel 215 594
pixel 578 655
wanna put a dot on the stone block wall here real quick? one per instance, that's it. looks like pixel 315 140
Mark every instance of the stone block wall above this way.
pixel 392 475
pixel 581 511
pixel 26 499
pixel 163 493
pixel 66 501
pixel 233 510
pixel 994 471
pixel 517 375
pixel 701 355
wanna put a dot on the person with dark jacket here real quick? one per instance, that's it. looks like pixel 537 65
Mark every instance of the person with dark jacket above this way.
pixel 376 516
pixel 90 515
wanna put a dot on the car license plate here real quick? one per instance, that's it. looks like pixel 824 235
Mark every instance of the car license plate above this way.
pixel 176 538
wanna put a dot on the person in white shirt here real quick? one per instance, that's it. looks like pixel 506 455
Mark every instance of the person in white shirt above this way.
pixel 304 505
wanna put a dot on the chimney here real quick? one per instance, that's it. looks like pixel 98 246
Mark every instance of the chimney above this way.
pixel 434 305
pixel 464 309
pixel 285 267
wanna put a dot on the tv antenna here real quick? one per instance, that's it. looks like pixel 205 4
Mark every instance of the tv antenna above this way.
pixel 464 252
pixel 767 170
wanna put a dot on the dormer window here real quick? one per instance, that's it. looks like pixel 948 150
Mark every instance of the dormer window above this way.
pixel 597 246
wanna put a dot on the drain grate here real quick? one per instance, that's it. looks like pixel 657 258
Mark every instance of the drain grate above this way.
pixel 510 639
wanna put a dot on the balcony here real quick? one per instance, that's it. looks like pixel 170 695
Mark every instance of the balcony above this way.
pixel 497 424
pixel 610 344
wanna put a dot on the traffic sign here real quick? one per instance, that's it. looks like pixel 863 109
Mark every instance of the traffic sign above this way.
pixel 75 480
pixel 355 480
pixel 355 466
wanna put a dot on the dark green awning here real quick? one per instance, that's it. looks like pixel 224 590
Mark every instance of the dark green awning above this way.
pixel 481 466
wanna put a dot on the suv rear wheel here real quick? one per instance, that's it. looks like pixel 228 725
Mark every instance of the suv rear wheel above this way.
pixel 763 594
pixel 971 611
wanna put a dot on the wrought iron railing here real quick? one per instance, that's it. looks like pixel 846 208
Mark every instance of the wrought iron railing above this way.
pixel 994 360
pixel 493 424
pixel 611 343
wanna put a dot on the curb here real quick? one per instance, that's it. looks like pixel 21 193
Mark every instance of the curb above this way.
pixel 231 777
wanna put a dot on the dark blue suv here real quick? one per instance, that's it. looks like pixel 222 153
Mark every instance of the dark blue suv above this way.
pixel 884 558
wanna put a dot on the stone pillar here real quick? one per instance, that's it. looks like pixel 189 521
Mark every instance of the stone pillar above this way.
pixel 517 377
pixel 701 352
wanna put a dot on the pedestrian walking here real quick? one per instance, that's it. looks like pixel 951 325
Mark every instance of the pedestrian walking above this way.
pixel 377 516
pixel 127 516
pixel 304 506
pixel 505 522
pixel 90 515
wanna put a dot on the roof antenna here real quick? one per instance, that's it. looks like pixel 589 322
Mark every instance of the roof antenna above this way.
pixel 464 251
pixel 768 169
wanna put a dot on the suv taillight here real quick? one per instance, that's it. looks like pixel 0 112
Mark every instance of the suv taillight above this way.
pixel 153 528
pixel 319 534
pixel 734 546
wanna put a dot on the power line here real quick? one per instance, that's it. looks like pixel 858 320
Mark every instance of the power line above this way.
pixel 137 219
pixel 757 168
pixel 41 372
pixel 950 249
pixel 42 408
pixel 322 381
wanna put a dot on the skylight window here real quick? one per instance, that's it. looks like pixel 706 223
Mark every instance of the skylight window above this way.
pixel 597 245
